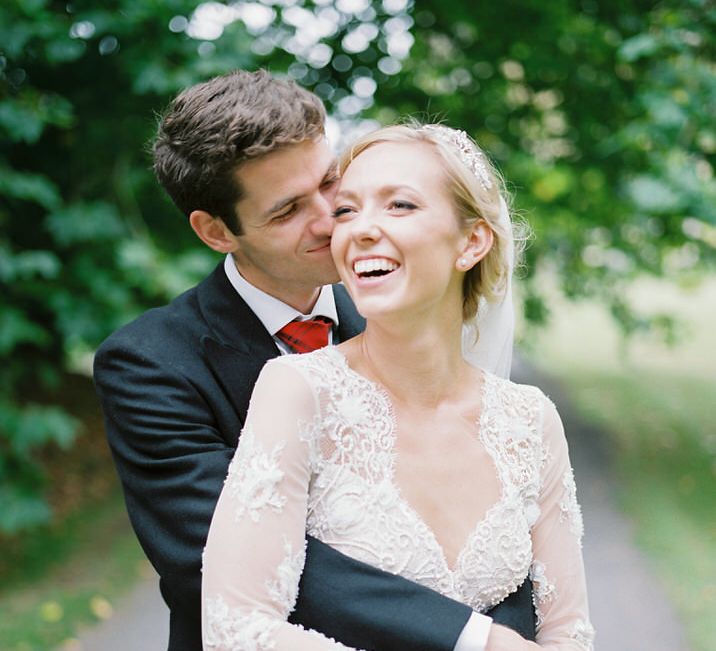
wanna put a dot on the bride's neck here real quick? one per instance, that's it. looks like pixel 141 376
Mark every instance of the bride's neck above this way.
pixel 421 364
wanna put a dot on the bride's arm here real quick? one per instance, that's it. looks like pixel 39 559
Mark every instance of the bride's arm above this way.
pixel 558 570
pixel 255 551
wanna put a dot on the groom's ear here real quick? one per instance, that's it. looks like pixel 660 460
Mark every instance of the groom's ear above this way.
pixel 213 231
pixel 479 242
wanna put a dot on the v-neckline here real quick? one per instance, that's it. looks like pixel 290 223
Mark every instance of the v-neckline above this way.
pixel 412 511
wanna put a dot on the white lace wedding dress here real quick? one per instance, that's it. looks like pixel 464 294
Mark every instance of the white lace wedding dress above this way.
pixel 318 454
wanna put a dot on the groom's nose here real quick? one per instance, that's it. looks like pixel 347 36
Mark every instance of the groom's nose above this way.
pixel 322 222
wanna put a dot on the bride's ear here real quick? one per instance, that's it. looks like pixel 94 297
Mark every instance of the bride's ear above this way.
pixel 478 245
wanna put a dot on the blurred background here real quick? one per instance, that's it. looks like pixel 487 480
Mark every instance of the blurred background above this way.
pixel 601 116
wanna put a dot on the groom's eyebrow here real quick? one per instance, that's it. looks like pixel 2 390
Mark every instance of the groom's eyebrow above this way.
pixel 281 204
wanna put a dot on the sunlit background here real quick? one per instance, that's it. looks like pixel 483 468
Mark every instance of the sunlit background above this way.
pixel 600 116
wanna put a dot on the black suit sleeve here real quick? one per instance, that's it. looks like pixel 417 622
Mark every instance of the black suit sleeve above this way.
pixel 172 461
pixel 367 608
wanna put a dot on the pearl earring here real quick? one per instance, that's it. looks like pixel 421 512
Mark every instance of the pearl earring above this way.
pixel 462 262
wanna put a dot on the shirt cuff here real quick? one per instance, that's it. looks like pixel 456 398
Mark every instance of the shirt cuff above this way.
pixel 474 635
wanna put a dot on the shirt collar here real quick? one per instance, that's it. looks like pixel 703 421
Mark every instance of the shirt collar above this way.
pixel 273 313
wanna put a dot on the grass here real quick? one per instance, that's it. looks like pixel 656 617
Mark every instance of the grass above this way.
pixel 85 564
pixel 658 406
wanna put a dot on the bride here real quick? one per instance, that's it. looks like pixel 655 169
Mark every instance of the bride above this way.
pixel 390 447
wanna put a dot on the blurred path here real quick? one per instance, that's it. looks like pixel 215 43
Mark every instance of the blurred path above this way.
pixel 628 605
pixel 140 623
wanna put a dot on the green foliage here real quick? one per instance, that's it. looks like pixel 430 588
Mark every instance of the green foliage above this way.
pixel 76 258
pixel 597 113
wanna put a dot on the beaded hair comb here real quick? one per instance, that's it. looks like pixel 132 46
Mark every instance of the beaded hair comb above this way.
pixel 470 155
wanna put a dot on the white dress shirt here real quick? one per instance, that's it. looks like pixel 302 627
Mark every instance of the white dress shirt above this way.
pixel 274 314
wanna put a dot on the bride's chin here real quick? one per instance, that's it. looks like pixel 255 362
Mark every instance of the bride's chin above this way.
pixel 370 311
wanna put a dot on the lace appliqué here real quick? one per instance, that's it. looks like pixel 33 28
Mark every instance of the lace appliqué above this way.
pixel 354 428
pixel 569 507
pixel 542 590
pixel 254 475
pixel 229 628
pixel 284 590
pixel 583 635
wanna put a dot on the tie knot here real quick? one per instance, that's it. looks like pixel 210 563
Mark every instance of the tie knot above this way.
pixel 305 336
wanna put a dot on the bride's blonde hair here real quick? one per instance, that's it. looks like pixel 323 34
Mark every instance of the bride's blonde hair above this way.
pixel 475 196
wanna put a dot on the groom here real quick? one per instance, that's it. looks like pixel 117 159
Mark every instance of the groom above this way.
pixel 244 157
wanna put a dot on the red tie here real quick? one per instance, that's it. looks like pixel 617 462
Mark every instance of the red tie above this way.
pixel 305 336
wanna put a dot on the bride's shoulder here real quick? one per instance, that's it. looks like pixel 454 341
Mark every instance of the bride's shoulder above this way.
pixel 527 399
pixel 506 386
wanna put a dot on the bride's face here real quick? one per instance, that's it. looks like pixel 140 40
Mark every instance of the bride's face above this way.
pixel 397 237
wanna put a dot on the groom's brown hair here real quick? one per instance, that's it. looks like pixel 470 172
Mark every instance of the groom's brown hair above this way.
pixel 209 129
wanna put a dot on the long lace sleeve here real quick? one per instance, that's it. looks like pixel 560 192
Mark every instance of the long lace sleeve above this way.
pixel 255 550
pixel 560 593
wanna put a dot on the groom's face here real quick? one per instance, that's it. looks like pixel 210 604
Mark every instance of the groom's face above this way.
pixel 286 217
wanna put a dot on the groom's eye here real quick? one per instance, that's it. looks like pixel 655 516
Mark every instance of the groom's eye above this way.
pixel 286 213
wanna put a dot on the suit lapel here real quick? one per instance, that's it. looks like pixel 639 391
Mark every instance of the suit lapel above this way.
pixel 350 323
pixel 237 345
pixel 236 371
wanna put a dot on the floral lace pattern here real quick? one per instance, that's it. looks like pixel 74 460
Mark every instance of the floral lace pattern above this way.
pixel 232 628
pixel 542 590
pixel 253 478
pixel 569 507
pixel 583 635
pixel 283 591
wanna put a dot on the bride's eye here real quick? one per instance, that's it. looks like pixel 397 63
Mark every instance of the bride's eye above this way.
pixel 342 211
pixel 398 204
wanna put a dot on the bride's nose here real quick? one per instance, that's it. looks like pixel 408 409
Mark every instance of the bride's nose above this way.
pixel 366 226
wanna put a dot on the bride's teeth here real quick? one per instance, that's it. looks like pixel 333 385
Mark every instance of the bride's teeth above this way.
pixel 374 264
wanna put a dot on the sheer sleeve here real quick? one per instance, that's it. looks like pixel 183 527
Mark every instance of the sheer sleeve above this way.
pixel 560 593
pixel 255 550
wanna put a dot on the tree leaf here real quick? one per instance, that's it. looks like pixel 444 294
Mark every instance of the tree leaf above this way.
pixel 29 187
pixel 16 328
pixel 82 223
pixel 20 509
pixel 642 45
pixel 653 195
